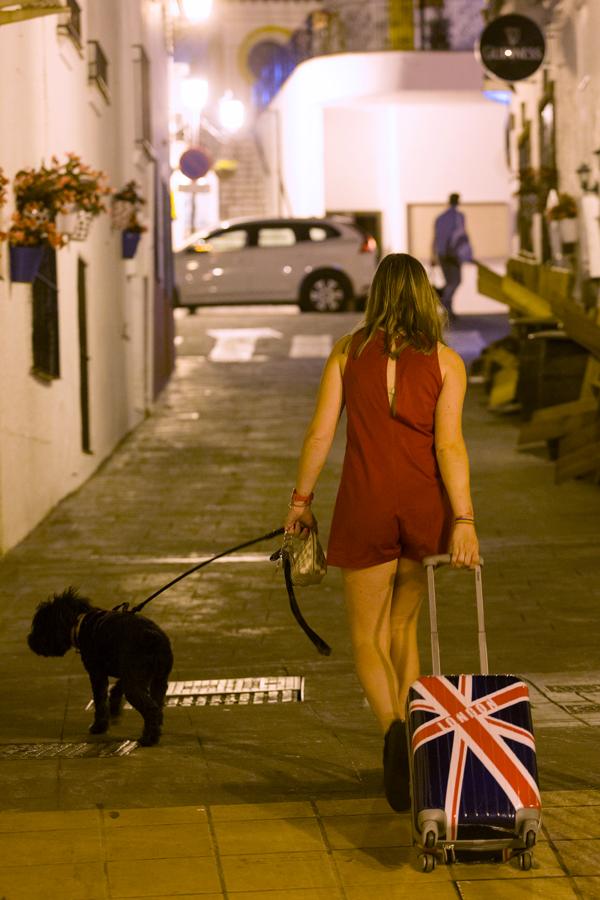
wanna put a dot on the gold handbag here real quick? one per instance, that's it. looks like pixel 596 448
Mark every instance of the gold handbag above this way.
pixel 307 559
pixel 304 563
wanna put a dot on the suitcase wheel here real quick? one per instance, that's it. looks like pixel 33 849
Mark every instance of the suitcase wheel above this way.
pixel 428 862
pixel 430 835
pixel 526 860
pixel 529 834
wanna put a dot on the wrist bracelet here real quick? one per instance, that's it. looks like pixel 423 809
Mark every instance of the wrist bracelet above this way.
pixel 298 505
pixel 303 498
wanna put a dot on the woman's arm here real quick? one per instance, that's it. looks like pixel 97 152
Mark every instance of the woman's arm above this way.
pixel 319 434
pixel 452 457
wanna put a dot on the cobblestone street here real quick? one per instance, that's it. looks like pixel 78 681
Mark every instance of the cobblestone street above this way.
pixel 279 800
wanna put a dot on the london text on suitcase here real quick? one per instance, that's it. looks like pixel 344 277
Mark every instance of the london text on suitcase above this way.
pixel 474 785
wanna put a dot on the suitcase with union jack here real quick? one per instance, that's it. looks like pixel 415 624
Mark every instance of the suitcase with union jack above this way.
pixel 474 785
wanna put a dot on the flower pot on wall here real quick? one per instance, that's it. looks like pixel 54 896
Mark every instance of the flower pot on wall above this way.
pixel 66 221
pixel 129 243
pixel 25 263
pixel 83 224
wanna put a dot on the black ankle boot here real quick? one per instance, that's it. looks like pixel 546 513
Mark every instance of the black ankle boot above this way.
pixel 396 772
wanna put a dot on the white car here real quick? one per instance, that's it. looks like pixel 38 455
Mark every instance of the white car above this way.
pixel 321 264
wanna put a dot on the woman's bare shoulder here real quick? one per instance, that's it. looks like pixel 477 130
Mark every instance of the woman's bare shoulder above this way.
pixel 450 361
pixel 342 345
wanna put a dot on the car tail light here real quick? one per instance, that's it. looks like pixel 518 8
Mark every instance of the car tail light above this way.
pixel 369 244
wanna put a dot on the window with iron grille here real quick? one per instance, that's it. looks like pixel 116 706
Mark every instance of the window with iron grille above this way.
pixel 98 68
pixel 143 123
pixel 72 26
pixel 46 360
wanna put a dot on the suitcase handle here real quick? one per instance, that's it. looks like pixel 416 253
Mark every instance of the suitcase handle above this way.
pixel 431 563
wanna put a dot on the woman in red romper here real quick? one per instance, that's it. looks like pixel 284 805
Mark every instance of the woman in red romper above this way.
pixel 404 491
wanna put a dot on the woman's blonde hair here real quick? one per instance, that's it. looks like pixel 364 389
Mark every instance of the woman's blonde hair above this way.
pixel 404 305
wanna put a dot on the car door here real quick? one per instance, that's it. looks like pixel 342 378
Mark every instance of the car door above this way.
pixel 276 271
pixel 217 269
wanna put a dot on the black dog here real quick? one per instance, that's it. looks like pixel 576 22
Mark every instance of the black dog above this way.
pixel 124 645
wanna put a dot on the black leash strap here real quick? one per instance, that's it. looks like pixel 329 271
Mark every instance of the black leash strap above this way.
pixel 264 537
pixel 323 647
pixel 318 641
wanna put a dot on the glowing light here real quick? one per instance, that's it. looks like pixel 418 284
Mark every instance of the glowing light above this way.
pixel 231 112
pixel 508 52
pixel 194 93
pixel 196 10
pixel 498 96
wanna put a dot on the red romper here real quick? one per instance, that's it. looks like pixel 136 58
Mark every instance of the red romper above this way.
pixel 391 501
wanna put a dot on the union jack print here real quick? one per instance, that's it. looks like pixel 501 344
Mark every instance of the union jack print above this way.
pixel 474 731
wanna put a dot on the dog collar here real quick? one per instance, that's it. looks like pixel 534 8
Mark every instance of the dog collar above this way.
pixel 75 630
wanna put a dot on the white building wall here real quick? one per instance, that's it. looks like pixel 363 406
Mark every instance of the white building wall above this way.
pixel 572 64
pixel 48 108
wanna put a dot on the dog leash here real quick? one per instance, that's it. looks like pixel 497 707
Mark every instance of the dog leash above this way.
pixel 319 643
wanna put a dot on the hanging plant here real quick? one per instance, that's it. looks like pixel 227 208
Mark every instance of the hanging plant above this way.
pixel 126 203
pixel 30 232
pixel 131 236
pixel 81 185
pixel 566 208
pixel 82 192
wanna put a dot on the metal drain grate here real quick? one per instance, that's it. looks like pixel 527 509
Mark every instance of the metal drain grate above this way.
pixel 236 691
pixel 233 692
pixel 66 751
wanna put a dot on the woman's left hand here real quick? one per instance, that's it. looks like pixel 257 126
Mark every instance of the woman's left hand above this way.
pixel 300 520
pixel 464 546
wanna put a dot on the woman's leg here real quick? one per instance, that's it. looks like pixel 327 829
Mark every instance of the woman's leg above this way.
pixel 368 594
pixel 409 589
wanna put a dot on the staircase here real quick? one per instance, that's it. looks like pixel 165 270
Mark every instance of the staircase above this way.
pixel 244 193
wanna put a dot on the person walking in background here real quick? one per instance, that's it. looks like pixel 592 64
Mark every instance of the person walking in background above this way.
pixel 451 248
pixel 404 491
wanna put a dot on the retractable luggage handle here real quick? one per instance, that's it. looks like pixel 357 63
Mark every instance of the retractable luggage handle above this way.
pixel 431 563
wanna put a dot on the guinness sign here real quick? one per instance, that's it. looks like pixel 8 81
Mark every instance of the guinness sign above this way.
pixel 512 47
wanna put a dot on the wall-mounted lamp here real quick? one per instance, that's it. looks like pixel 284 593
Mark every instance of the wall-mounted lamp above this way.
pixel 583 173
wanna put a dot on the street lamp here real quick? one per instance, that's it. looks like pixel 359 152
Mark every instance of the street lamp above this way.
pixel 196 10
pixel 231 112
pixel 583 173
pixel 194 94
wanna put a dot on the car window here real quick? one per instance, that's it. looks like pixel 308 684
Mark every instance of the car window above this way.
pixel 276 237
pixel 317 233
pixel 224 241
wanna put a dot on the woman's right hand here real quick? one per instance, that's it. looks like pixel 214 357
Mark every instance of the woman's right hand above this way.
pixel 299 520
pixel 464 546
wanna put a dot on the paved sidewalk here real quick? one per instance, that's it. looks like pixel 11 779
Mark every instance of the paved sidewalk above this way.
pixel 278 800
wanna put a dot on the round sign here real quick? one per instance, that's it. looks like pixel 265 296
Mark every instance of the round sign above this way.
pixel 195 162
pixel 512 47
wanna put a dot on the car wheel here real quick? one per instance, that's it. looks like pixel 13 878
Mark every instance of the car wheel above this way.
pixel 325 291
